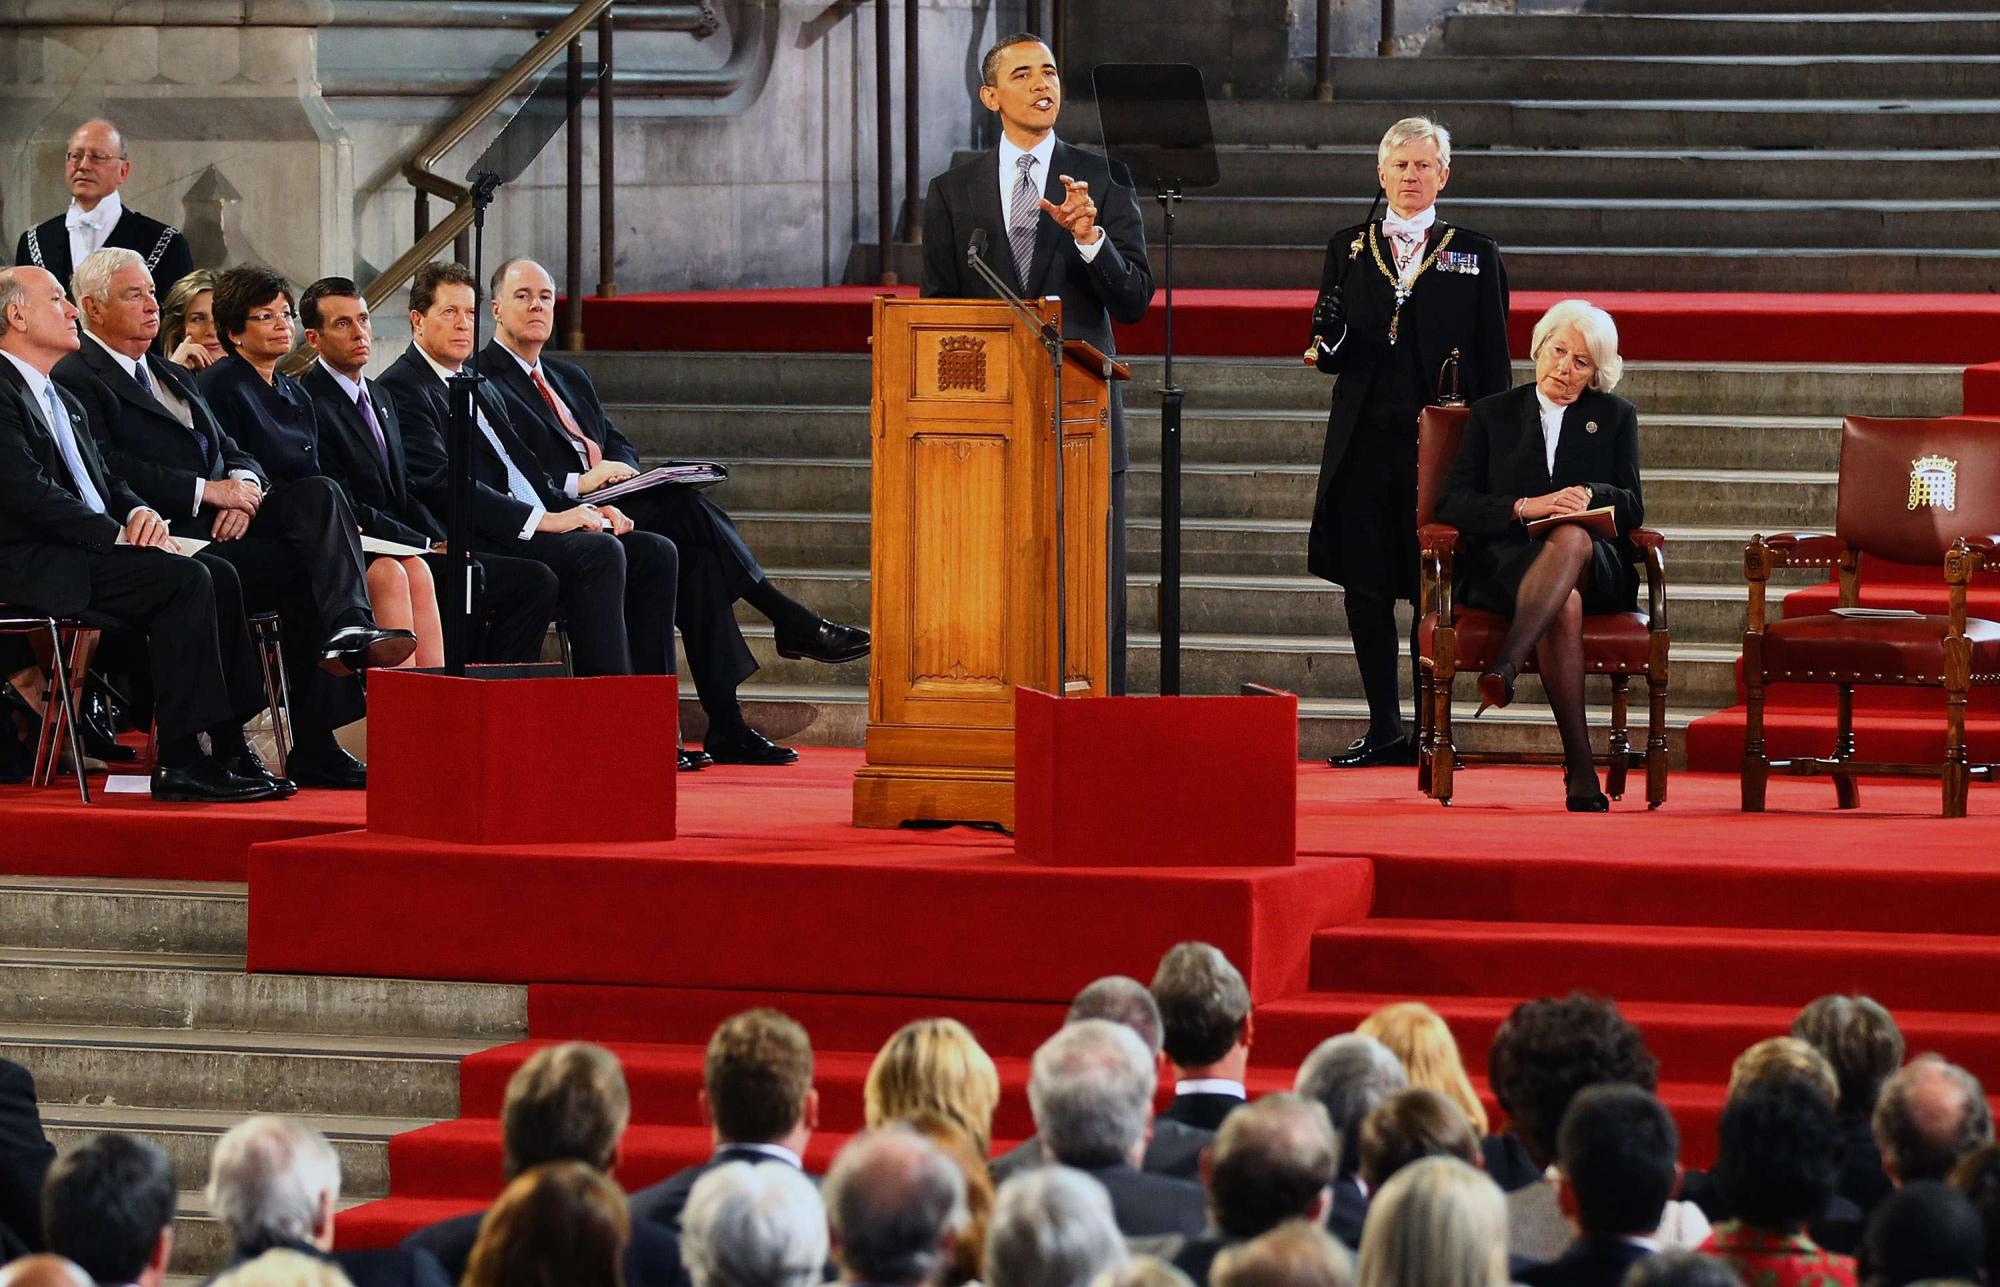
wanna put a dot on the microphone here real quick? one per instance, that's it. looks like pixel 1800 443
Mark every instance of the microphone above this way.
pixel 977 250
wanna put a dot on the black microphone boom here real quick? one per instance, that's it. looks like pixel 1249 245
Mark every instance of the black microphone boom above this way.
pixel 977 250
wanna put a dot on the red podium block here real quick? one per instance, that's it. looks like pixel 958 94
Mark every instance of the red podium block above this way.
pixel 498 761
pixel 1156 781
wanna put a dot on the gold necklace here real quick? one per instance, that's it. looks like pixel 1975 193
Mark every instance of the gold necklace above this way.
pixel 1403 288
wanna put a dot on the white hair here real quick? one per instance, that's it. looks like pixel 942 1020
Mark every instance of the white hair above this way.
pixel 1090 1087
pixel 1349 1075
pixel 92 278
pixel 1600 336
pixel 754 1226
pixel 1415 129
pixel 283 1267
pixel 1051 1227
pixel 1439 1223
pixel 268 1179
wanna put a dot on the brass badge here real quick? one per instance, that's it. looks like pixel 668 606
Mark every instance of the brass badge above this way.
pixel 962 363
pixel 1933 483
pixel 1590 427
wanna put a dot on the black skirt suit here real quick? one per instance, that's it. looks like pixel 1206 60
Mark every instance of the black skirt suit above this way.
pixel 1503 457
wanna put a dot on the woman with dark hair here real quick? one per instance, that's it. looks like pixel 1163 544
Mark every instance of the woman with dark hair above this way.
pixel 271 416
pixel 1776 1168
pixel 187 321
pixel 561 1224
pixel 1859 1037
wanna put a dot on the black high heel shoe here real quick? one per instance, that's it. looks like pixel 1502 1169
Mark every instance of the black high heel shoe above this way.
pixel 1591 801
pixel 1496 687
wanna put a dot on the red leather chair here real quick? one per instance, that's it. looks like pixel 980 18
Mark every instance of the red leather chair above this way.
pixel 1451 638
pixel 1912 492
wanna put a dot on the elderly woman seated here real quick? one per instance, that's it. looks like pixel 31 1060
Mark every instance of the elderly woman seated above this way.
pixel 1556 449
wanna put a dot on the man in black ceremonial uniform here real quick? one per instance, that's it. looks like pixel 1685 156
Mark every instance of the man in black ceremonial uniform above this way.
pixel 1399 298
pixel 95 165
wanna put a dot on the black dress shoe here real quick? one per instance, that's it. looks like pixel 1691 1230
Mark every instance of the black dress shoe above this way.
pixel 1589 801
pixel 245 764
pixel 333 769
pixel 98 723
pixel 206 781
pixel 1361 753
pixel 749 747
pixel 826 641
pixel 353 648
pixel 694 761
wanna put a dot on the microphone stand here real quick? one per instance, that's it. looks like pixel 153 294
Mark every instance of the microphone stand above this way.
pixel 463 392
pixel 1051 337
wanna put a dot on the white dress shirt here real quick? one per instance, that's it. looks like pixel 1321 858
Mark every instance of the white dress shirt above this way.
pixel 38 393
pixel 175 407
pixel 1552 428
pixel 1210 1086
pixel 1010 177
pixel 778 1151
pixel 534 370
pixel 89 230
pixel 535 511
pixel 1416 227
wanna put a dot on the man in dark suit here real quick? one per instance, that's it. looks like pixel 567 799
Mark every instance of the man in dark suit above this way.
pixel 1205 1028
pixel 618 584
pixel 1090 250
pixel 95 165
pixel 275 1182
pixel 361 448
pixel 556 410
pixel 1617 1149
pixel 1400 299
pixel 757 1095
pixel 109 1207
pixel 1273 1161
pixel 25 1154
pixel 895 1205
pixel 568 1103
pixel 75 539
pixel 1091 1089
pixel 1349 1075
pixel 292 548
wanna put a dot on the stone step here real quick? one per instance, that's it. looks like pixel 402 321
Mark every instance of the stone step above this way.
pixel 122 915
pixel 1800 7
pixel 1916 34
pixel 1582 76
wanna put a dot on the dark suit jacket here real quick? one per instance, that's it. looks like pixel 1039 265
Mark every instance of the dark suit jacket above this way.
pixel 1197 1255
pixel 1862 1180
pixel 25 1154
pixel 663 1203
pixel 1507 1162
pixel 164 248
pixel 652 1258
pixel 274 422
pixel 1589 1262
pixel 46 531
pixel 1204 1112
pixel 1148 1205
pixel 379 496
pixel 390 1268
pixel 423 407
pixel 538 425
pixel 141 442
pixel 1349 1213
pixel 1116 285
pixel 1174 1150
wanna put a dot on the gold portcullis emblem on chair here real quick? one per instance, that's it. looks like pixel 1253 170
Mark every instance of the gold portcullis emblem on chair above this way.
pixel 1933 483
pixel 962 363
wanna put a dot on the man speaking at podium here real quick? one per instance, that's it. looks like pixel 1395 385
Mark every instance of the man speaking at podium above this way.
pixel 1058 221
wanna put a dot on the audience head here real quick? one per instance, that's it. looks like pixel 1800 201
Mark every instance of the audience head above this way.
pixel 1204 1006
pixel 1619 1154
pixel 524 306
pixel 95 164
pixel 37 321
pixel 1436 1223
pixel 283 1267
pixel 443 297
pixel 895 1204
pixel 936 1066
pixel 1925 1230
pixel 274 1179
pixel 1121 1000
pixel 1777 1162
pixel 42 1271
pixel 568 1103
pixel 1298 1253
pixel 115 291
pixel 1784 1057
pixel 754 1226
pixel 253 314
pixel 560 1222
pixel 108 1205
pixel 1411 1125
pixel 757 1080
pixel 1143 1271
pixel 1272 1161
pixel 337 325
pixel 1554 1048
pixel 1680 1269
pixel 969 1249
pixel 1052 1227
pixel 1862 1042
pixel 188 313
pixel 1349 1075
pixel 1418 1035
pixel 1977 1176
pixel 1930 1114
pixel 1091 1089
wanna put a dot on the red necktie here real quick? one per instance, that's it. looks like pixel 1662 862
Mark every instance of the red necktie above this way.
pixel 592 453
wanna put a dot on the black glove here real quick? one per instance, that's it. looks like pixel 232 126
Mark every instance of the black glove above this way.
pixel 1329 317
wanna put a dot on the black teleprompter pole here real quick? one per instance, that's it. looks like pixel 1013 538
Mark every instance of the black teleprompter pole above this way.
pixel 463 387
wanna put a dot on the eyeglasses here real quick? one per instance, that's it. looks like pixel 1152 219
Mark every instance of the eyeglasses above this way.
pixel 266 318
pixel 95 158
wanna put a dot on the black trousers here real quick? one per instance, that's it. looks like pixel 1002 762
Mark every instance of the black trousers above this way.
pixel 513 604
pixel 716 569
pixel 171 601
pixel 617 598
pixel 1375 490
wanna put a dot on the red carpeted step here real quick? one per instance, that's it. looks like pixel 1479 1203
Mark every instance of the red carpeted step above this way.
pixel 387 1221
pixel 1659 963
pixel 131 838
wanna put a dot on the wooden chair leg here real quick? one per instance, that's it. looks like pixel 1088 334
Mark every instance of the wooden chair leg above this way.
pixel 1846 790
pixel 1621 739
pixel 1957 778
pixel 1656 739
pixel 1756 769
pixel 1443 754
pixel 1423 728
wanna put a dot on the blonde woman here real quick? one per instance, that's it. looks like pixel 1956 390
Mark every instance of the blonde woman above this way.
pixel 935 1066
pixel 1418 1036
pixel 1436 1223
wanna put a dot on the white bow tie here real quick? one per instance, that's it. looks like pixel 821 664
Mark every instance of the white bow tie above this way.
pixel 80 219
pixel 1405 229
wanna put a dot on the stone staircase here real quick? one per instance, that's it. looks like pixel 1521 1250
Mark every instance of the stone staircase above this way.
pixel 129 1003
pixel 1727 450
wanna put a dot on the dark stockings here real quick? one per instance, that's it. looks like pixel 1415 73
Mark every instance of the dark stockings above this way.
pixel 1548 617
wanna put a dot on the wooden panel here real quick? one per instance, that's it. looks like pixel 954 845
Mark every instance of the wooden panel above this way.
pixel 961 364
pixel 958 567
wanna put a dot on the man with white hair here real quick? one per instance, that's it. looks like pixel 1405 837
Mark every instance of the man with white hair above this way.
pixel 275 1182
pixel 1051 1227
pixel 895 1204
pixel 753 1226
pixel 1091 1088
pixel 1349 1075
pixel 1401 300
pixel 95 165
pixel 1930 1114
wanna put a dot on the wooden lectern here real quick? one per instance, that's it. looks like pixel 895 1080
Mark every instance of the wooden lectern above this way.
pixel 964 558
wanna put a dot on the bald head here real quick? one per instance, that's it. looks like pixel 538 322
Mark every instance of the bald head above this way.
pixel 1271 1162
pixel 524 307
pixel 94 163
pixel 43 1271
pixel 1931 1113
pixel 895 1203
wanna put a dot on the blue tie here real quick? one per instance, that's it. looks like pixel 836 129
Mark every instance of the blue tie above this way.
pixel 65 436
pixel 517 482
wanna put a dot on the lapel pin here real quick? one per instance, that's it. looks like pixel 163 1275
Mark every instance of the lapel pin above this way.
pixel 1590 426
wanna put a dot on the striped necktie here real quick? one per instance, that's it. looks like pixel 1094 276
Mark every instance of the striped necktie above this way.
pixel 1021 220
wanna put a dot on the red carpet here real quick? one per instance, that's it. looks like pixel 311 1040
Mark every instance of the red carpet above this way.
pixel 1685 327
pixel 49 832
